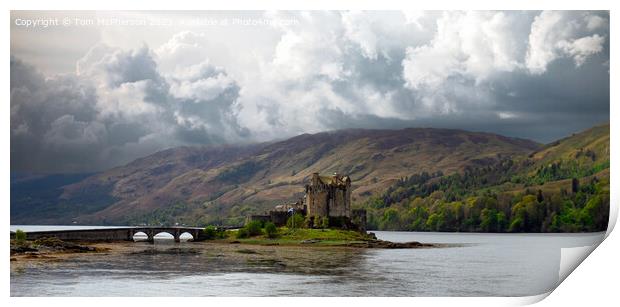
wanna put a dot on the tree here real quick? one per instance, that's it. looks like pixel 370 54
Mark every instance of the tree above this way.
pixel 501 222
pixel 488 220
pixel 434 222
pixel 595 213
pixel 457 211
pixel 20 236
pixel 210 232
pixel 517 225
pixel 519 218
pixel 324 222
pixel 242 233
pixel 390 219
pixel 575 185
pixel 535 213
pixel 418 214
pixel 539 196
pixel 253 228
pixel 376 202
pixel 271 230
pixel 295 221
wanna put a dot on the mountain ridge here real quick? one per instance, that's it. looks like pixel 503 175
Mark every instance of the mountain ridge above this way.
pixel 230 179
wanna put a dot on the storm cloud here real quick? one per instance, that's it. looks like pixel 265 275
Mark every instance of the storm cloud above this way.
pixel 530 74
pixel 117 107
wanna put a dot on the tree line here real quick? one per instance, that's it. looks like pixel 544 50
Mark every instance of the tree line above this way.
pixel 485 199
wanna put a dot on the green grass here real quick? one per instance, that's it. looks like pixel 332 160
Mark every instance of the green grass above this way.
pixel 288 236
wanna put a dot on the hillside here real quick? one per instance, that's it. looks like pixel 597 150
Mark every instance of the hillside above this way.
pixel 562 187
pixel 223 184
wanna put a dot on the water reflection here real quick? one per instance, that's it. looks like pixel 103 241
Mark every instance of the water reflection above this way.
pixel 207 257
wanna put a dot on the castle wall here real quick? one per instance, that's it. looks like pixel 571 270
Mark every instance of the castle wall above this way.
pixel 322 205
pixel 333 199
pixel 338 208
pixel 347 200
pixel 279 218
pixel 317 202
pixel 358 217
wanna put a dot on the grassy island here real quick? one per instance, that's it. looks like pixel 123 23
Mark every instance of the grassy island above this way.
pixel 259 234
pixel 294 236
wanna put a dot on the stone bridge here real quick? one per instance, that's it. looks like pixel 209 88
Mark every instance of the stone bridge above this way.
pixel 116 234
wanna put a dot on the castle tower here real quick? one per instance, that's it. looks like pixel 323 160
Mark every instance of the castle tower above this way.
pixel 329 196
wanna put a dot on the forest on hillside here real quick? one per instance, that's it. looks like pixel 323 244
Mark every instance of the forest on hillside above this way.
pixel 558 197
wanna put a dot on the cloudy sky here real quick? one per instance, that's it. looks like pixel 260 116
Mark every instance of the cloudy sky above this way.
pixel 93 90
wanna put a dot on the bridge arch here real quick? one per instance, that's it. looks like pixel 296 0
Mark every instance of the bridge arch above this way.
pixel 140 236
pixel 164 235
pixel 186 236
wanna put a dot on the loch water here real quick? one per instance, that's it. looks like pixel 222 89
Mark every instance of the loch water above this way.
pixel 474 265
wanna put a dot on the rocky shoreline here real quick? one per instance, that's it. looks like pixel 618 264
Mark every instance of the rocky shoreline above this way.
pixel 376 243
pixel 388 244
pixel 356 244
pixel 46 247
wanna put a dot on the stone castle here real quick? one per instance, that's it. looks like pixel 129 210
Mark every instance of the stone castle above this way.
pixel 325 197
pixel 328 196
